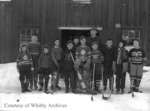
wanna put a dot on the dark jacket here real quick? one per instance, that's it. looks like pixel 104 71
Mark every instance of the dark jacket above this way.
pixel 68 61
pixel 121 55
pixel 109 55
pixel 45 61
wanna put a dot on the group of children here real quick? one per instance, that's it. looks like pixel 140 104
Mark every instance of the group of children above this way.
pixel 85 64
pixel 36 65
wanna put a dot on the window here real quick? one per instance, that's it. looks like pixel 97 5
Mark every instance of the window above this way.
pixel 132 34
pixel 82 1
pixel 5 0
pixel 26 34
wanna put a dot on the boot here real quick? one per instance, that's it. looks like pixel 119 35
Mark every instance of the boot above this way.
pixel 105 88
pixel 117 91
pixel 41 87
pixel 46 91
pixel 22 87
pixel 67 90
pixel 58 87
pixel 122 91
pixel 26 88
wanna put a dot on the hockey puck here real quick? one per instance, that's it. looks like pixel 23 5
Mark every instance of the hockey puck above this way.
pixel 92 98
pixel 18 100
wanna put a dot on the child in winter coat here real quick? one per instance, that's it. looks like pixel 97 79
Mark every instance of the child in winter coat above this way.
pixel 57 55
pixel 136 59
pixel 45 68
pixel 34 50
pixel 109 63
pixel 121 59
pixel 25 67
pixel 96 60
pixel 68 68
pixel 82 65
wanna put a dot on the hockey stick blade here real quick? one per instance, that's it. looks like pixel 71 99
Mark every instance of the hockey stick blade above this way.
pixel 133 95
pixel 92 99
pixel 105 98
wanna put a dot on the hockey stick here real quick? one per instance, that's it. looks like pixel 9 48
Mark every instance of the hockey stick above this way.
pixel 78 74
pixel 105 94
pixel 92 98
pixel 132 91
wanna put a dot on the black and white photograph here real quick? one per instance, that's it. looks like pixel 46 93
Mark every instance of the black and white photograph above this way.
pixel 74 55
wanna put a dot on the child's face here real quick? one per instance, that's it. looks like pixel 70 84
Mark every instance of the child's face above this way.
pixel 109 43
pixel 24 49
pixel 120 44
pixel 93 33
pixel 136 44
pixel 94 46
pixel 70 46
pixel 45 50
pixel 57 43
pixel 83 41
pixel 34 39
pixel 76 41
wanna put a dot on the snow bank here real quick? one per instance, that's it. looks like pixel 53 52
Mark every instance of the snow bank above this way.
pixel 12 100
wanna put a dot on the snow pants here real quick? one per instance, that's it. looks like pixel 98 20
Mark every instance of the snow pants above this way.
pixel 136 73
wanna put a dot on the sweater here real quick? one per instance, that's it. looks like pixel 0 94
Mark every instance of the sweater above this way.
pixel 24 59
pixel 34 48
pixel 97 56
pixel 137 56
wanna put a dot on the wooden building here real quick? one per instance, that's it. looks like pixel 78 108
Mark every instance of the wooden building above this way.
pixel 54 19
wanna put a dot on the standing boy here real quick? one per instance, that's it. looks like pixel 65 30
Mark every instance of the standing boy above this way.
pixel 97 60
pixel 94 38
pixel 57 55
pixel 68 68
pixel 24 66
pixel 120 67
pixel 76 43
pixel 82 64
pixel 109 63
pixel 136 58
pixel 34 50
pixel 45 68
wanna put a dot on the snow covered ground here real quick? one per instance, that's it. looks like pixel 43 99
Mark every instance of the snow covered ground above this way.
pixel 11 99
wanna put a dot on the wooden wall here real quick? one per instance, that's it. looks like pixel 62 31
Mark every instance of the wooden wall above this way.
pixel 8 38
pixel 48 15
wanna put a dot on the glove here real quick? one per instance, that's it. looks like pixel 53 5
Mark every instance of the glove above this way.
pixel 32 69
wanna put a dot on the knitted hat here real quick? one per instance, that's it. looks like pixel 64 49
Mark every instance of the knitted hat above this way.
pixel 82 37
pixel 94 29
pixel 95 42
pixel 69 42
pixel 23 45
